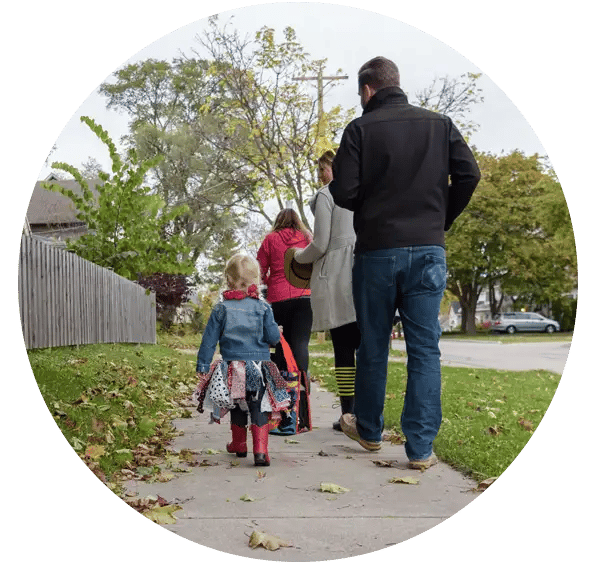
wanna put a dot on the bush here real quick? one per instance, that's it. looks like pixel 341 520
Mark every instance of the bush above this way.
pixel 564 311
pixel 171 290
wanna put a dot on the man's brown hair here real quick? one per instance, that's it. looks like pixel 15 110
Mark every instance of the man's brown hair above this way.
pixel 378 73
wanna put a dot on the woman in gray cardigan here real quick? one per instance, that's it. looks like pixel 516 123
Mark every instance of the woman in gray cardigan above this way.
pixel 331 252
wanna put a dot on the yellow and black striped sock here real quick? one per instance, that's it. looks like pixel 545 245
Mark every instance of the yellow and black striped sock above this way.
pixel 345 381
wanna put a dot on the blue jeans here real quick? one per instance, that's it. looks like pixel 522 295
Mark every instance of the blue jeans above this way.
pixel 413 280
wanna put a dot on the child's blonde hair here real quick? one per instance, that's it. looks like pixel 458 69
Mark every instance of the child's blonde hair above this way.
pixel 241 271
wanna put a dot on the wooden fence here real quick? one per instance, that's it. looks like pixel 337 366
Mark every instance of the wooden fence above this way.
pixel 67 300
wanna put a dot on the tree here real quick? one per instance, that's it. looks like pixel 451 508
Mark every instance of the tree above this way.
pixel 514 234
pixel 128 229
pixel 163 100
pixel 91 168
pixel 455 97
pixel 267 123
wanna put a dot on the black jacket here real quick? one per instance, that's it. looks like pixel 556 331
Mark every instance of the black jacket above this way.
pixel 392 169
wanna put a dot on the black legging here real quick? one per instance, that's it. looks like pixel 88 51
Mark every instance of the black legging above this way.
pixel 239 417
pixel 345 341
pixel 295 317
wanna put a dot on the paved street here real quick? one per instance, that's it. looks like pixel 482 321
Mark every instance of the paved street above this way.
pixel 550 356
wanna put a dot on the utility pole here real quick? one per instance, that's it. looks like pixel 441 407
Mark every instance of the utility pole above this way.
pixel 320 86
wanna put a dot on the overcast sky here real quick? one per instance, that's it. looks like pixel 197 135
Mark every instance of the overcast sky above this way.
pixel 347 37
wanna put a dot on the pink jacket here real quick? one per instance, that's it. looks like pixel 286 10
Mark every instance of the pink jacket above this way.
pixel 271 259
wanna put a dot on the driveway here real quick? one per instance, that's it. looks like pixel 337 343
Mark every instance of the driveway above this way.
pixel 550 356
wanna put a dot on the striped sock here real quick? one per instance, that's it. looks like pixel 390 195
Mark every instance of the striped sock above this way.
pixel 345 381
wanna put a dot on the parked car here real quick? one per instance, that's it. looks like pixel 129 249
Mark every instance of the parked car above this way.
pixel 512 322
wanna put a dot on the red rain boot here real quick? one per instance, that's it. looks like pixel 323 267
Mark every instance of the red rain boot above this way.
pixel 260 445
pixel 239 443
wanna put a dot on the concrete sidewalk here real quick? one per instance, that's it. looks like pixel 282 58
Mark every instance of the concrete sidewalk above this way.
pixel 287 501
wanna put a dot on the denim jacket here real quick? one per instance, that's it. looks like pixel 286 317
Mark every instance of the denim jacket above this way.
pixel 245 330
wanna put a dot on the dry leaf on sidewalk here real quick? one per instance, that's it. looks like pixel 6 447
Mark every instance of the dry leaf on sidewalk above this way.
pixel 385 463
pixel 405 479
pixel 485 484
pixel 332 488
pixel 270 542
pixel 393 438
pixel 246 497
pixel 162 515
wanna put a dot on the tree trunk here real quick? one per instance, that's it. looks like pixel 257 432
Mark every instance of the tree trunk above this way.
pixel 468 300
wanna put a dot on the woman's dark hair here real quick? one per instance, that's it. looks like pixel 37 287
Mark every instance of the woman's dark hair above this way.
pixel 288 218
pixel 378 73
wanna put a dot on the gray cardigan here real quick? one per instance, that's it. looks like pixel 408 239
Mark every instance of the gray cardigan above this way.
pixel 331 252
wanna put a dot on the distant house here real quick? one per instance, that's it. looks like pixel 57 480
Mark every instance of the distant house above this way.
pixel 483 314
pixel 51 216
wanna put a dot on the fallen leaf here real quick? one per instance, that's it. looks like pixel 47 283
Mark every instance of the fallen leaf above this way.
pixel 393 438
pixel 162 477
pixel 485 484
pixel 210 451
pixel 246 497
pixel 322 453
pixel 527 425
pixel 332 488
pixel 404 479
pixel 384 463
pixel 95 452
pixel 162 515
pixel 270 542
pixel 493 431
pixel 291 441
pixel 206 463
pixel 187 455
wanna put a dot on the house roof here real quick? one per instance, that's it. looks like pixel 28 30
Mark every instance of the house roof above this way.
pixel 48 207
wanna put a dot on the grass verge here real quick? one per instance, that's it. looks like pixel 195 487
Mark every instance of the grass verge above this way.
pixel 326 348
pixel 114 403
pixel 486 336
pixel 488 415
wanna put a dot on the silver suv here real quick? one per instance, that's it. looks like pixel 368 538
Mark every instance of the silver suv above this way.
pixel 512 322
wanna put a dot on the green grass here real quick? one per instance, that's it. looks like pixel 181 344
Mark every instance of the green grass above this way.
pixel 510 338
pixel 486 413
pixel 326 348
pixel 115 402
pixel 181 337
pixel 110 399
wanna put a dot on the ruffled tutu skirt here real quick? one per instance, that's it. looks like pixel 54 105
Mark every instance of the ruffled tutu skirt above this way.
pixel 228 384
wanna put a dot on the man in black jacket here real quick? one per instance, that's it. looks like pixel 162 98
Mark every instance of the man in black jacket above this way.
pixel 392 170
